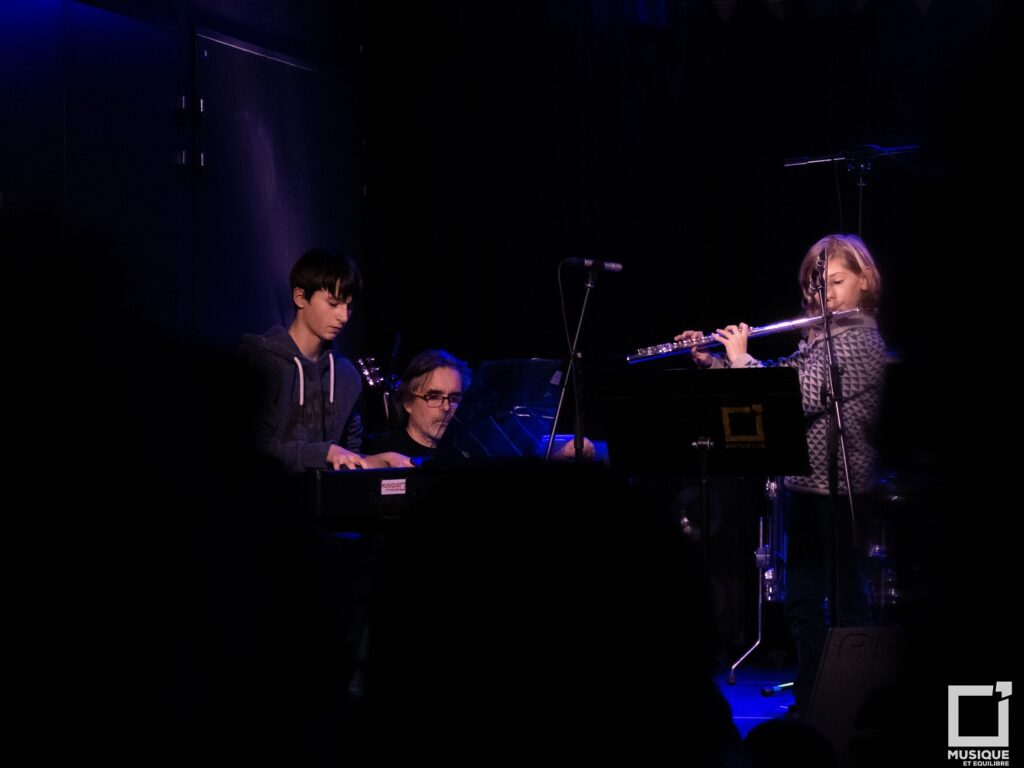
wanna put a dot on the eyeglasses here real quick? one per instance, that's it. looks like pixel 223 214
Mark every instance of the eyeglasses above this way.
pixel 435 399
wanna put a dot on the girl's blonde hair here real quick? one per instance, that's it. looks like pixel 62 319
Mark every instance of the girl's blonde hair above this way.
pixel 856 258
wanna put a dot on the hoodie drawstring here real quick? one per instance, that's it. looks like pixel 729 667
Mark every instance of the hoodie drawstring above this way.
pixel 331 356
pixel 302 382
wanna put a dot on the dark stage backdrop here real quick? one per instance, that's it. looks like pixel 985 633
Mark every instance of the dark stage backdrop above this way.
pixel 505 137
pixel 461 151
pixel 180 156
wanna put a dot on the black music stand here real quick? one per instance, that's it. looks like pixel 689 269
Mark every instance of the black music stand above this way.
pixel 713 423
pixel 718 422
pixel 507 411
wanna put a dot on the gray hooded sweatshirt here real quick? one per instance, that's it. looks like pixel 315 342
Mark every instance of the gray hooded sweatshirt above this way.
pixel 304 405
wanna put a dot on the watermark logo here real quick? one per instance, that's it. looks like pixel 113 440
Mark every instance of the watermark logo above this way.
pixel 971 748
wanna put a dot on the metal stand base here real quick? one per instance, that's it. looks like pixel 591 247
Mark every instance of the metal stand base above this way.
pixel 763 555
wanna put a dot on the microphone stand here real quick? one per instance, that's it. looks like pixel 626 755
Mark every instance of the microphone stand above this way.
pixel 851 155
pixel 832 399
pixel 571 371
pixel 857 159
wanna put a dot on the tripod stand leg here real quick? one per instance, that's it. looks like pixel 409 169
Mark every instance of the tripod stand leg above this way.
pixel 762 564
pixel 760 627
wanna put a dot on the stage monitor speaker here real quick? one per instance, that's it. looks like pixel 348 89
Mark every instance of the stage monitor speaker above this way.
pixel 853 696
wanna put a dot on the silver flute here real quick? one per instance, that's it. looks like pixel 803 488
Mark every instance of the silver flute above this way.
pixel 706 342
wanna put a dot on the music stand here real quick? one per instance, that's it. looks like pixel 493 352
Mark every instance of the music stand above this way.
pixel 506 412
pixel 719 422
pixel 751 419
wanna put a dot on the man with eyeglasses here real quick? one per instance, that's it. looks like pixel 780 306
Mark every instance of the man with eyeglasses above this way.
pixel 430 393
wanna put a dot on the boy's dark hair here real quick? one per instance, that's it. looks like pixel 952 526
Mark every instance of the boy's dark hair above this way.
pixel 324 269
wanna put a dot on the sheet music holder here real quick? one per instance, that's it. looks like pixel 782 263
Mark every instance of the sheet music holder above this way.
pixel 753 418
pixel 506 412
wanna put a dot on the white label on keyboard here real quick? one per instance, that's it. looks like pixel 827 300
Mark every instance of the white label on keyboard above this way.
pixel 394 487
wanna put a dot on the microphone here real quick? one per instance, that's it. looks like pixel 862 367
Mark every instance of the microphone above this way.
pixel 818 275
pixel 594 264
